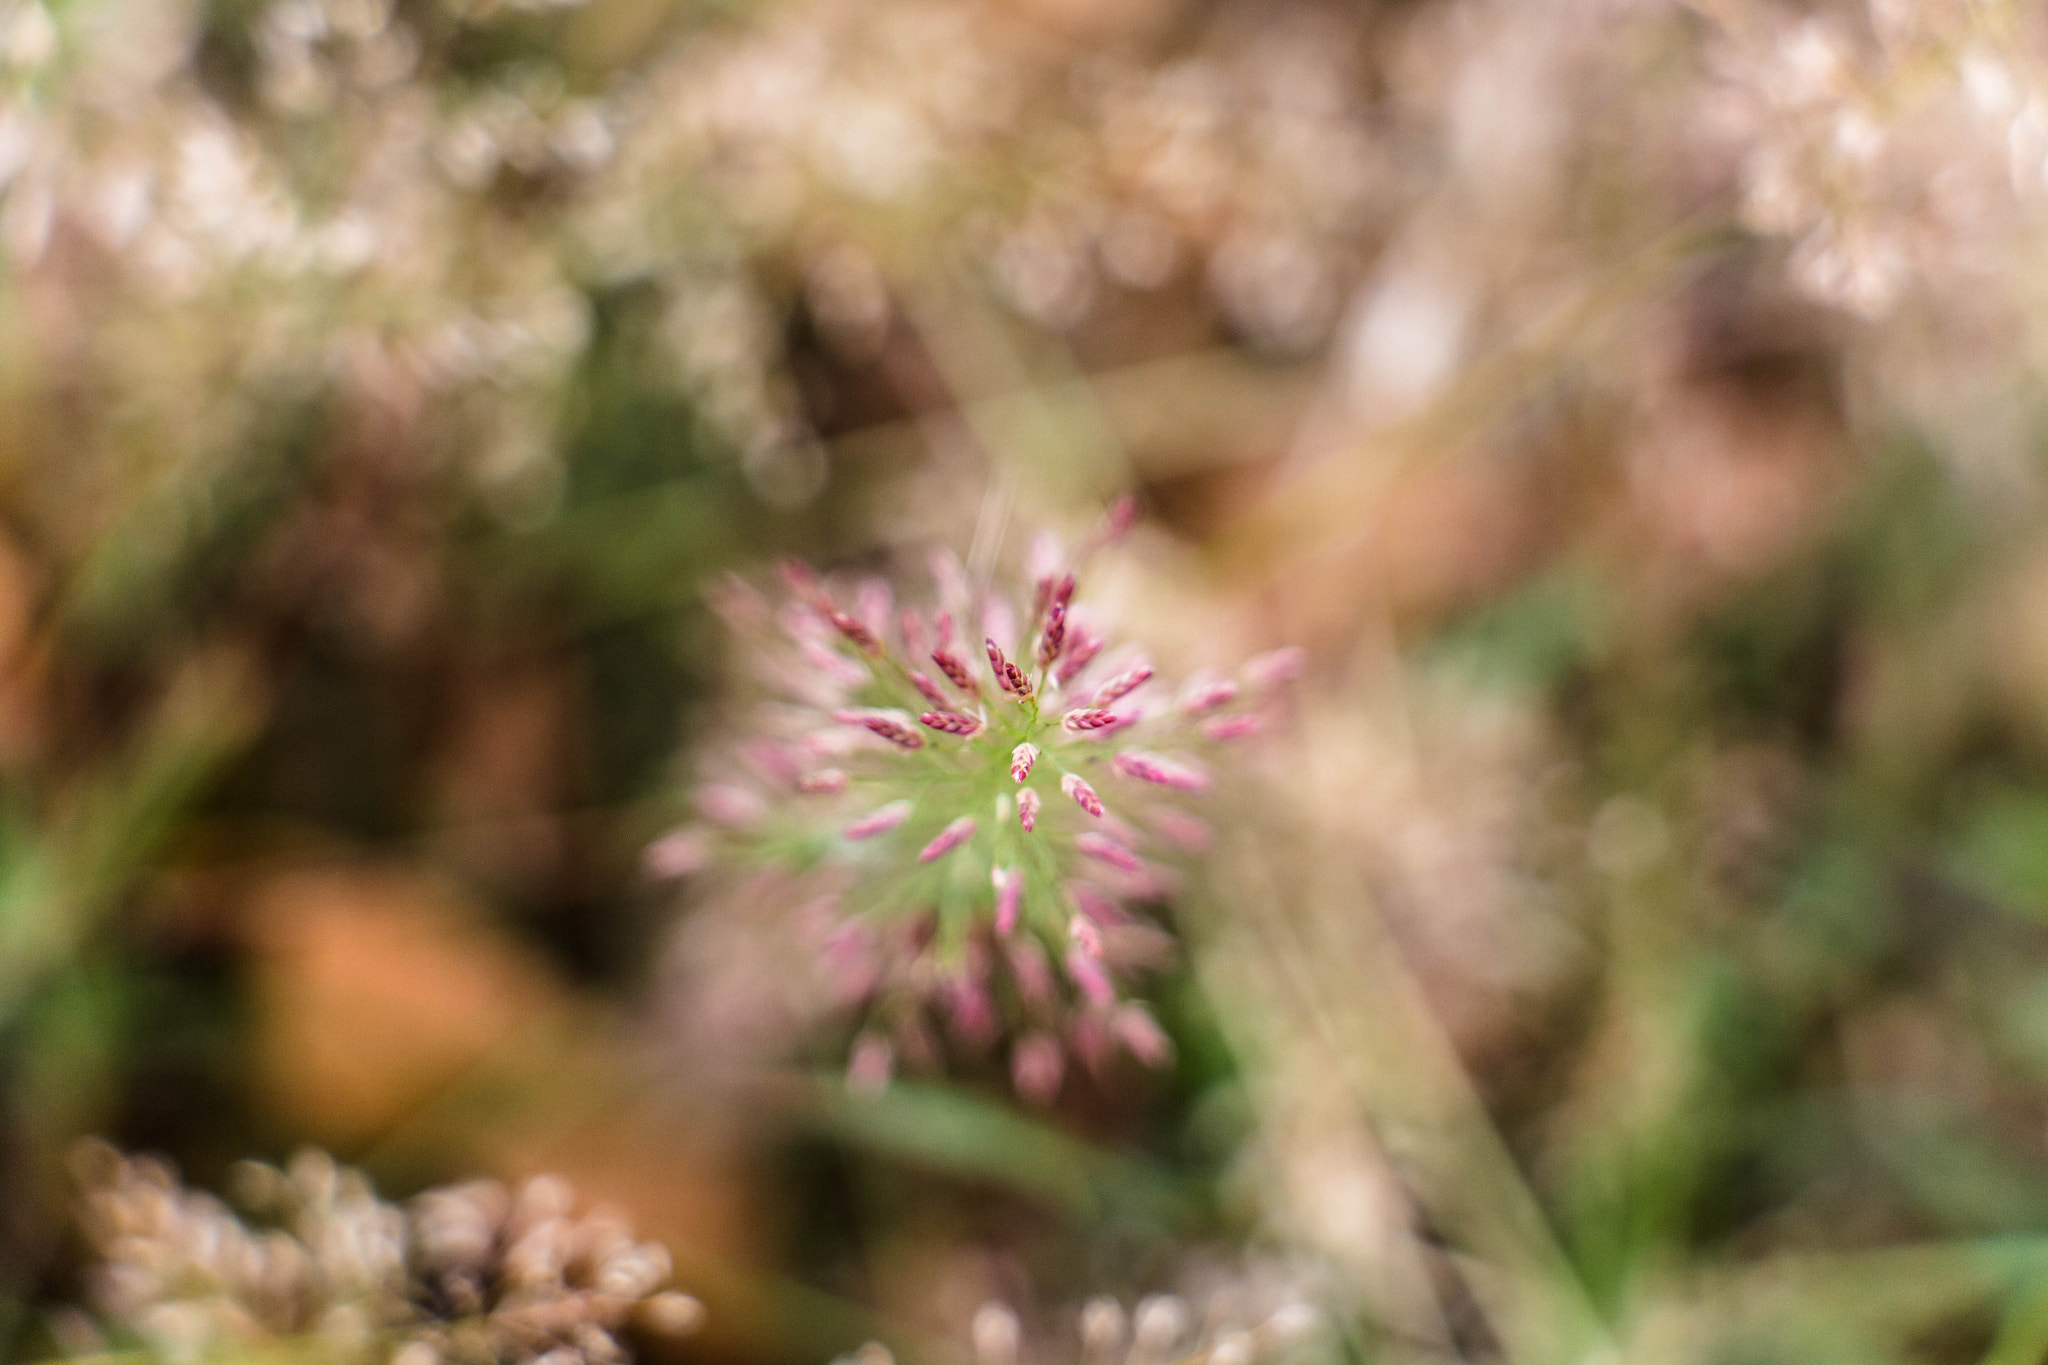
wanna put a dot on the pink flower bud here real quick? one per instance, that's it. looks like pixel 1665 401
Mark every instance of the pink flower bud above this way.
pixel 1009 885
pixel 910 626
pixel 1027 809
pixel 948 839
pixel 1122 685
pixel 951 722
pixel 1054 637
pixel 824 782
pixel 851 967
pixel 873 602
pixel 1081 652
pixel 1037 1066
pixel 1161 771
pixel 1075 786
pixel 834 665
pixel 1033 972
pixel 956 672
pixel 879 821
pixel 727 805
pixel 1085 719
pixel 1021 759
pixel 929 690
pixel 1118 520
pixel 1274 667
pixel 677 854
pixel 1089 1038
pixel 1099 908
pixel 1179 828
pixel 863 638
pixel 884 723
pixel 1085 970
pixel 1083 932
pixel 1104 849
pixel 973 1013
pixel 801 580
pixel 738 603
pixel 1008 675
pixel 1207 695
pixel 868 1069
pixel 1141 1033
pixel 773 759
pixel 1233 727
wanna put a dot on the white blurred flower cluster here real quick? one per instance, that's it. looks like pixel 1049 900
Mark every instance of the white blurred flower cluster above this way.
pixel 1900 150
pixel 468 1273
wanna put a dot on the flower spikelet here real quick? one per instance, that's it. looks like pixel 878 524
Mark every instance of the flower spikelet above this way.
pixel 1076 787
pixel 964 909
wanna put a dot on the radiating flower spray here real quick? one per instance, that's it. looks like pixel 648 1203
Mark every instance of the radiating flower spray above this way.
pixel 987 791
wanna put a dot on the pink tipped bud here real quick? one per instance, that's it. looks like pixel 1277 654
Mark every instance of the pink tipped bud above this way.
pixel 834 665
pixel 1162 771
pixel 1233 727
pixel 1037 1066
pixel 852 968
pixel 1118 520
pixel 1076 786
pixel 1027 809
pixel 1208 695
pixel 773 759
pixel 951 722
pixel 948 839
pixel 1122 685
pixel 1099 908
pixel 1088 718
pixel 1021 759
pixel 1009 885
pixel 1081 652
pixel 1085 970
pixel 929 690
pixel 1274 667
pixel 955 671
pixel 727 805
pixel 879 821
pixel 1008 675
pixel 910 626
pixel 1141 1033
pixel 1054 636
pixel 873 604
pixel 1088 1038
pixel 869 1067
pixel 1180 828
pixel 677 854
pixel 883 723
pixel 824 782
pixel 1104 849
pixel 1083 932
pixel 973 1013
pixel 863 638
pixel 802 581
pixel 1033 972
